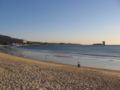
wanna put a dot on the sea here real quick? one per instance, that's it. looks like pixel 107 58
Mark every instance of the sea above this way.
pixel 103 57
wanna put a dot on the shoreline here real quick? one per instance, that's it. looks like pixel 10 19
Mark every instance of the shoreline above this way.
pixel 6 49
pixel 52 62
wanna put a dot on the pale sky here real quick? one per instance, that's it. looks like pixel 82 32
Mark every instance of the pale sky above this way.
pixel 70 21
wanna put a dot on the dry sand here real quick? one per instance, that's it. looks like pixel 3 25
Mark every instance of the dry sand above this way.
pixel 17 73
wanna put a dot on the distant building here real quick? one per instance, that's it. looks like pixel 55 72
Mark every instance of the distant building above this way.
pixel 25 42
pixel 15 44
pixel 103 42
pixel 99 44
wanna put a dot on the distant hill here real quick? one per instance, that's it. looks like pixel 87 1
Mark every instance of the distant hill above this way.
pixel 5 40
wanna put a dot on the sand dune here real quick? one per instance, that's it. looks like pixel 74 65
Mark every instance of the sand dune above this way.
pixel 18 73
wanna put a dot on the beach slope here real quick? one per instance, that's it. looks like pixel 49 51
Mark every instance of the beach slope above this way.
pixel 17 73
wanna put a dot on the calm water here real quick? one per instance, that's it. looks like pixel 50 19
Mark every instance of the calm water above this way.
pixel 106 57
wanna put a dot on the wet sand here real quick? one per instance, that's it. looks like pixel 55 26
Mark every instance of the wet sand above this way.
pixel 17 73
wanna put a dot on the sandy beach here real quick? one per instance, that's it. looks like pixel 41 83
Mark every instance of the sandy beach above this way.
pixel 17 73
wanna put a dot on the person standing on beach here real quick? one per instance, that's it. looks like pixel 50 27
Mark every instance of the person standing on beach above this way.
pixel 78 65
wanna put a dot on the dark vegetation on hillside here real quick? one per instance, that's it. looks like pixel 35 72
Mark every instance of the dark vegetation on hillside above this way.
pixel 5 40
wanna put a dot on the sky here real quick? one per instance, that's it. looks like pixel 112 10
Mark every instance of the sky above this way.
pixel 69 21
